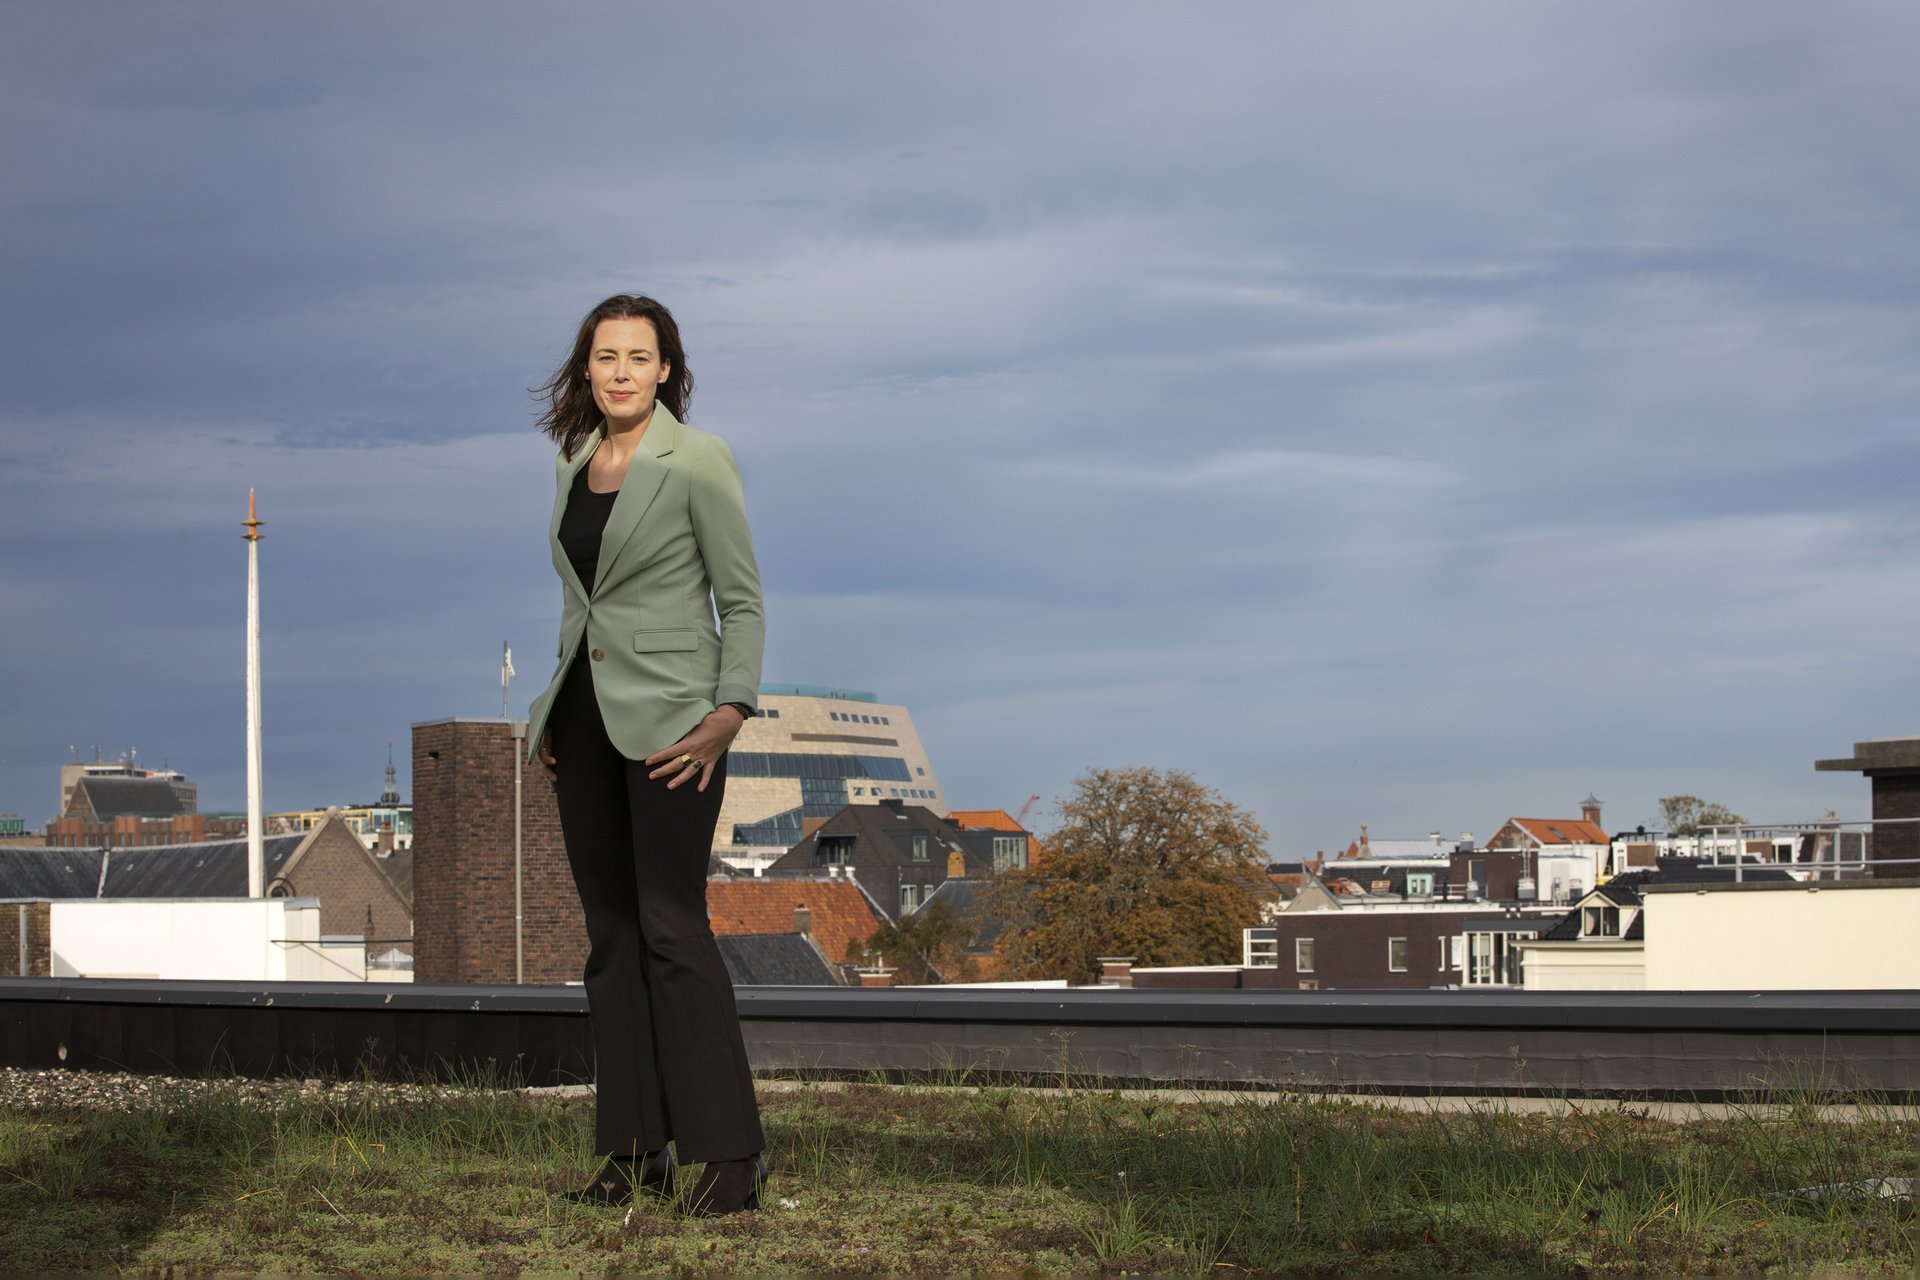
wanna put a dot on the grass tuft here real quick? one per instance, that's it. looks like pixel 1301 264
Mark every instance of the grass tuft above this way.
pixel 951 1175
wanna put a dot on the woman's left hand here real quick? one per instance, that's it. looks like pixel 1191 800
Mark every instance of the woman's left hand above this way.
pixel 696 753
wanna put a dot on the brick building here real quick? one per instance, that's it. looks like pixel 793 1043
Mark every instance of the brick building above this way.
pixel 463 825
pixel 26 939
pixel 127 812
pixel 1894 766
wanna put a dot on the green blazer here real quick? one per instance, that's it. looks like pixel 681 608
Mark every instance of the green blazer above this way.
pixel 676 547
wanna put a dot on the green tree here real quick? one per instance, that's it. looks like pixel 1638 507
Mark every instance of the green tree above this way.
pixel 928 946
pixel 1689 815
pixel 1148 864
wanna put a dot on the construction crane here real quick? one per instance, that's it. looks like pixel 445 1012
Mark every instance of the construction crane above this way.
pixel 1020 818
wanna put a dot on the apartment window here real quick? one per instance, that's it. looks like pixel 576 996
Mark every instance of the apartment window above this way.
pixel 1477 874
pixel 919 772
pixel 909 898
pixel 1303 955
pixel 1457 946
pixel 1262 949
pixel 1009 853
pixel 919 848
pixel 1600 922
pixel 1443 952
pixel 884 720
pixel 1396 955
pixel 1480 959
pixel 1419 883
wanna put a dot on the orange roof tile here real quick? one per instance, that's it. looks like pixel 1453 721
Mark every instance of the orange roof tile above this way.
pixel 749 905
pixel 1562 830
pixel 984 820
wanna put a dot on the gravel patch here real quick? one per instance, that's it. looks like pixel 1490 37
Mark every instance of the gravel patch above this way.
pixel 53 1090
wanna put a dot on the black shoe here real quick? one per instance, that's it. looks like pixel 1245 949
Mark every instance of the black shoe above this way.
pixel 728 1186
pixel 620 1179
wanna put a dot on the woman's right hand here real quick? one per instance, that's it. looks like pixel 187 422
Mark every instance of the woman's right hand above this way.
pixel 544 752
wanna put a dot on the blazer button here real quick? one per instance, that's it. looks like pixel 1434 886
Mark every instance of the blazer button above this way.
pixel 598 654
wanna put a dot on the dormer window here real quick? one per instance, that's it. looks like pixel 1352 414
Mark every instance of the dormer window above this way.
pixel 919 848
pixel 1600 922
pixel 1419 884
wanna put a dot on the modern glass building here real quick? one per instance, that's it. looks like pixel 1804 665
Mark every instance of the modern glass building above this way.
pixel 809 753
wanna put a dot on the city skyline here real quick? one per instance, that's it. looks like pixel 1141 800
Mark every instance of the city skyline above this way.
pixel 1416 423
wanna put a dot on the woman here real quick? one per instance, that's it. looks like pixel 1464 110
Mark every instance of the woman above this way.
pixel 649 537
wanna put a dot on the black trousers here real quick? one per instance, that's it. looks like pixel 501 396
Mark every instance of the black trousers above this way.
pixel 669 1062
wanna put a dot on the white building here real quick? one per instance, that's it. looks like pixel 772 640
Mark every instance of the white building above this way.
pixel 1851 935
pixel 1776 934
pixel 224 939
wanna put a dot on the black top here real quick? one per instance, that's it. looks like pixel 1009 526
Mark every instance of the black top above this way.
pixel 581 525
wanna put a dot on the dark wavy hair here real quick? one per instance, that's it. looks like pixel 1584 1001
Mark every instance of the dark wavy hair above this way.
pixel 571 414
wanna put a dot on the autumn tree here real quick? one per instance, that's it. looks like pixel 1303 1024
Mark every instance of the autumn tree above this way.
pixel 1689 815
pixel 928 946
pixel 1148 864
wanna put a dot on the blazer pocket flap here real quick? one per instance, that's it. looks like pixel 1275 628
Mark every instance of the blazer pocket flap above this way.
pixel 665 641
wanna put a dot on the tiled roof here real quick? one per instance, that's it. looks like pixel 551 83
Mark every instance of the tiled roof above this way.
pixel 209 869
pixel 751 905
pixel 774 960
pixel 877 830
pixel 1567 930
pixel 984 820
pixel 212 869
pixel 1562 830
pixel 398 866
pixel 141 797
pixel 29 872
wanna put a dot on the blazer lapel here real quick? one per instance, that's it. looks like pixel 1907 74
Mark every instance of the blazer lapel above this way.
pixel 567 472
pixel 646 472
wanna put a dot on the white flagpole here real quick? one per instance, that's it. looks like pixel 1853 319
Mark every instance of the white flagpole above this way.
pixel 256 859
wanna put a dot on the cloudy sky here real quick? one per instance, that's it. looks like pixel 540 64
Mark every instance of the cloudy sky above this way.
pixel 1402 414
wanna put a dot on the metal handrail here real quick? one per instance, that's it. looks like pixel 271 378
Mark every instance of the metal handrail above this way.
pixel 1835 826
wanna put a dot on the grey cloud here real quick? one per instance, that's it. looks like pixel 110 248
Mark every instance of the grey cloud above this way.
pixel 1400 415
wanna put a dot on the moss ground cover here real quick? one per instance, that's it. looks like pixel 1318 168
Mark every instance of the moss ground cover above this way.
pixel 881 1178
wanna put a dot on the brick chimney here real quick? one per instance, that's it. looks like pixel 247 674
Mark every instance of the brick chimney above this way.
pixel 802 918
pixel 877 979
pixel 956 865
pixel 1116 971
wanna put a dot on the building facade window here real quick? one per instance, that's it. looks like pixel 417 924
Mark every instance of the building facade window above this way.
pixel 1419 883
pixel 1009 853
pixel 919 848
pixel 1600 922
pixel 909 898
pixel 1396 955
pixel 1262 949
pixel 1303 955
